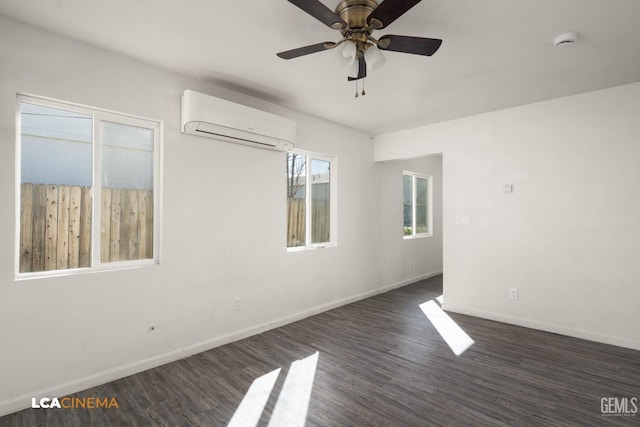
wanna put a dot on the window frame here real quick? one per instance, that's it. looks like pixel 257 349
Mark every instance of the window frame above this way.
pixel 429 197
pixel 333 198
pixel 98 116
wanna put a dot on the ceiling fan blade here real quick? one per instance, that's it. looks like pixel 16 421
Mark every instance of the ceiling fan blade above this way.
pixel 388 11
pixel 321 12
pixel 362 70
pixel 306 50
pixel 407 44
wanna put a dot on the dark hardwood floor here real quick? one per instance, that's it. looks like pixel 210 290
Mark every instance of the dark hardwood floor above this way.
pixel 380 363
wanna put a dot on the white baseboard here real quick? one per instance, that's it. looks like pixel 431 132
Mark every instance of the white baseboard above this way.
pixel 547 327
pixel 24 401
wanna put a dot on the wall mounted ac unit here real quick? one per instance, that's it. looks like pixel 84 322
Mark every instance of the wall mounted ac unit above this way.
pixel 212 117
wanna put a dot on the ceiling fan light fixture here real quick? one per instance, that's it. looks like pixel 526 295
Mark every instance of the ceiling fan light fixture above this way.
pixel 349 49
pixel 347 59
pixel 374 58
pixel 352 69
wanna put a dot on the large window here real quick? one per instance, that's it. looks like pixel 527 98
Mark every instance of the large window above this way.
pixel 310 195
pixel 88 183
pixel 416 191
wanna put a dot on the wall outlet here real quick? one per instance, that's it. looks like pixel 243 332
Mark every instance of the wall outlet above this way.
pixel 513 293
pixel 236 305
pixel 410 265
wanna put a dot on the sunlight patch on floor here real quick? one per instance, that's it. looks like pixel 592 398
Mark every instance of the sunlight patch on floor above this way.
pixel 454 336
pixel 293 401
pixel 253 403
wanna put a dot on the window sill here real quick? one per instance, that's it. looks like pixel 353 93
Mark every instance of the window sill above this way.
pixel 417 236
pixel 311 248
pixel 118 266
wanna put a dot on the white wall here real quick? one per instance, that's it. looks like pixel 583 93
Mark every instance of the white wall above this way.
pixel 407 260
pixel 568 237
pixel 59 335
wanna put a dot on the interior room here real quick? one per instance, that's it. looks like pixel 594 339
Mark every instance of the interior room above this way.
pixel 286 213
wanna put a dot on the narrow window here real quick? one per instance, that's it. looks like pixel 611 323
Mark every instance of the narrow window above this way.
pixel 309 200
pixel 416 192
pixel 87 179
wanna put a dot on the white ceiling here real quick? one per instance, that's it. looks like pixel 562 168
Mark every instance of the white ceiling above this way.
pixel 496 53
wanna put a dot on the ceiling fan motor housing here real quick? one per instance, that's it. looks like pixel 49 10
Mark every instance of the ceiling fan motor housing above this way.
pixel 355 14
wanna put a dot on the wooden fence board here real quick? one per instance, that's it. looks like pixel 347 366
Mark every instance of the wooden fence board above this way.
pixel 105 227
pixel 63 227
pixel 116 214
pixel 320 221
pixel 123 235
pixel 129 232
pixel 150 227
pixel 142 223
pixel 295 223
pixel 85 227
pixel 26 227
pixel 51 237
pixel 75 205
pixel 39 228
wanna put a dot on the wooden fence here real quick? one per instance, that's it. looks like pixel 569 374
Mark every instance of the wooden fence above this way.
pixel 320 226
pixel 55 226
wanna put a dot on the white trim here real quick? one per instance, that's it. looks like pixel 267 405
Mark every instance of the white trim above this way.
pixel 87 109
pixel 333 201
pixel 98 115
pixel 18 188
pixel 24 400
pixel 96 195
pixel 414 197
pixel 121 265
pixel 308 202
pixel 544 326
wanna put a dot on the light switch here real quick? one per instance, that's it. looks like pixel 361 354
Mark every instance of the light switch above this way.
pixel 463 220
pixel 507 188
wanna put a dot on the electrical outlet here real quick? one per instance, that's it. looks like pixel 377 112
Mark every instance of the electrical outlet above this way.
pixel 410 265
pixel 513 293
pixel 236 305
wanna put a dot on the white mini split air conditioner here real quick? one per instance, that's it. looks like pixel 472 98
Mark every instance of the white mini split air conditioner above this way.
pixel 212 117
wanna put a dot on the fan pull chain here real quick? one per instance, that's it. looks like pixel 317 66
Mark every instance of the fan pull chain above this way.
pixel 363 93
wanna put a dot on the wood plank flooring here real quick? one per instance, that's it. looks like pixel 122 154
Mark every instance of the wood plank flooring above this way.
pixel 381 363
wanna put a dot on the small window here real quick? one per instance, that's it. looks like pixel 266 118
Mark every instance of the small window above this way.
pixel 87 185
pixel 416 191
pixel 310 206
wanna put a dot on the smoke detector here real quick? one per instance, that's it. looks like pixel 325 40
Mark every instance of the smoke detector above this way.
pixel 565 39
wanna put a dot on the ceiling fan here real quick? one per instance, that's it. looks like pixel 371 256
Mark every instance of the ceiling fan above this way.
pixel 356 20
